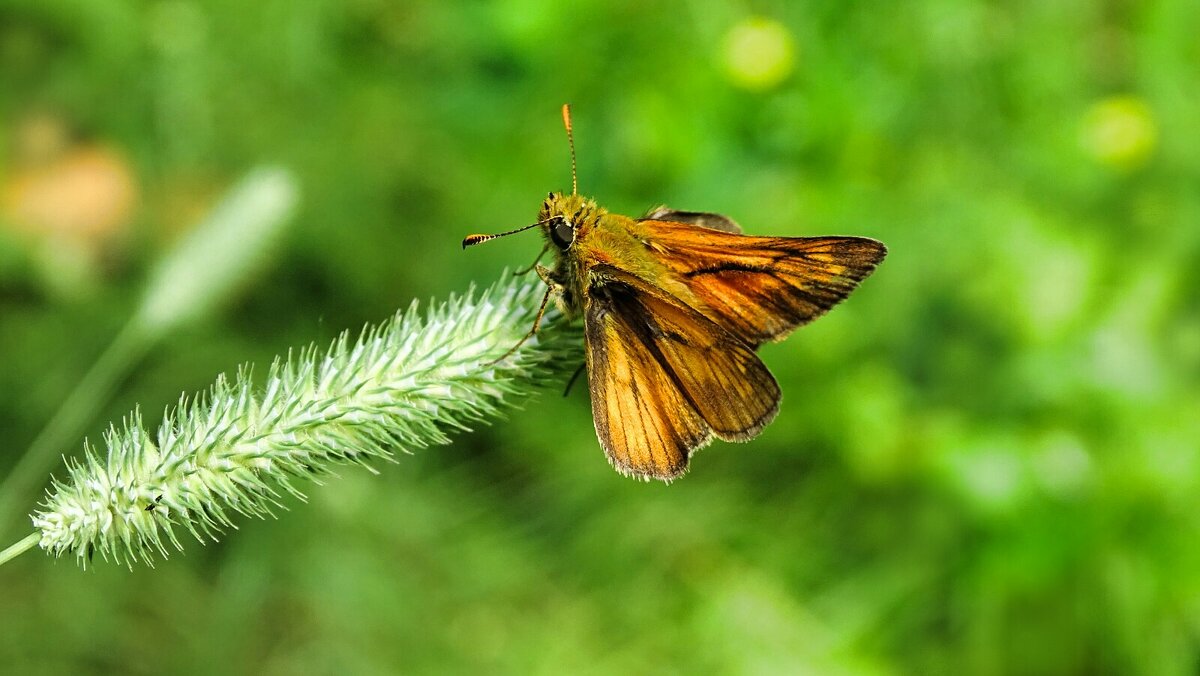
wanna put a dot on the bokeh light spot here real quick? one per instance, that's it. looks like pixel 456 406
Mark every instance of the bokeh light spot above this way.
pixel 989 474
pixel 1061 463
pixel 758 53
pixel 1120 132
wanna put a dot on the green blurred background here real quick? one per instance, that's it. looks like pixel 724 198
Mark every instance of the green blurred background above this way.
pixel 986 460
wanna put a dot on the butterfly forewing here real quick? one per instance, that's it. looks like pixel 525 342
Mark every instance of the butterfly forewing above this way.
pixel 760 288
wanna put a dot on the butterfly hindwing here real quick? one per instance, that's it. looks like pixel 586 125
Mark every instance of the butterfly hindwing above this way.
pixel 699 218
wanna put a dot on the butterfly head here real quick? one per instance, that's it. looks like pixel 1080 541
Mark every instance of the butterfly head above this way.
pixel 563 217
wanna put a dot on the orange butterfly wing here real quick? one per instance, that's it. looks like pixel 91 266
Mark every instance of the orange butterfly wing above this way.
pixel 665 379
pixel 761 288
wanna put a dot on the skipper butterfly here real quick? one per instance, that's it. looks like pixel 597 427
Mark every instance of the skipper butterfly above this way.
pixel 674 306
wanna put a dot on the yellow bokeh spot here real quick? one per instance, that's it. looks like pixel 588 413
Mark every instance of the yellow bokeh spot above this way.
pixel 1120 132
pixel 758 53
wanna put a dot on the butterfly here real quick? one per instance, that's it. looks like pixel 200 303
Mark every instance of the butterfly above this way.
pixel 674 306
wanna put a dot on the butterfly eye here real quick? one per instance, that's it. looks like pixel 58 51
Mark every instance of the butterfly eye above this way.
pixel 562 233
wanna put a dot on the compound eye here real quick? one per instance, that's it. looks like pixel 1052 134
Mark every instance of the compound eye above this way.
pixel 562 233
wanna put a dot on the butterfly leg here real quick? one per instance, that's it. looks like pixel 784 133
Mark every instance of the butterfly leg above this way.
pixel 574 377
pixel 551 287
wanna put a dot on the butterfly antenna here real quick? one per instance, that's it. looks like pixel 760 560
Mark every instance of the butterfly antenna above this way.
pixel 471 240
pixel 571 142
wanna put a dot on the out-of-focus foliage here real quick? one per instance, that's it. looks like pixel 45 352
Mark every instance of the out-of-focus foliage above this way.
pixel 986 460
